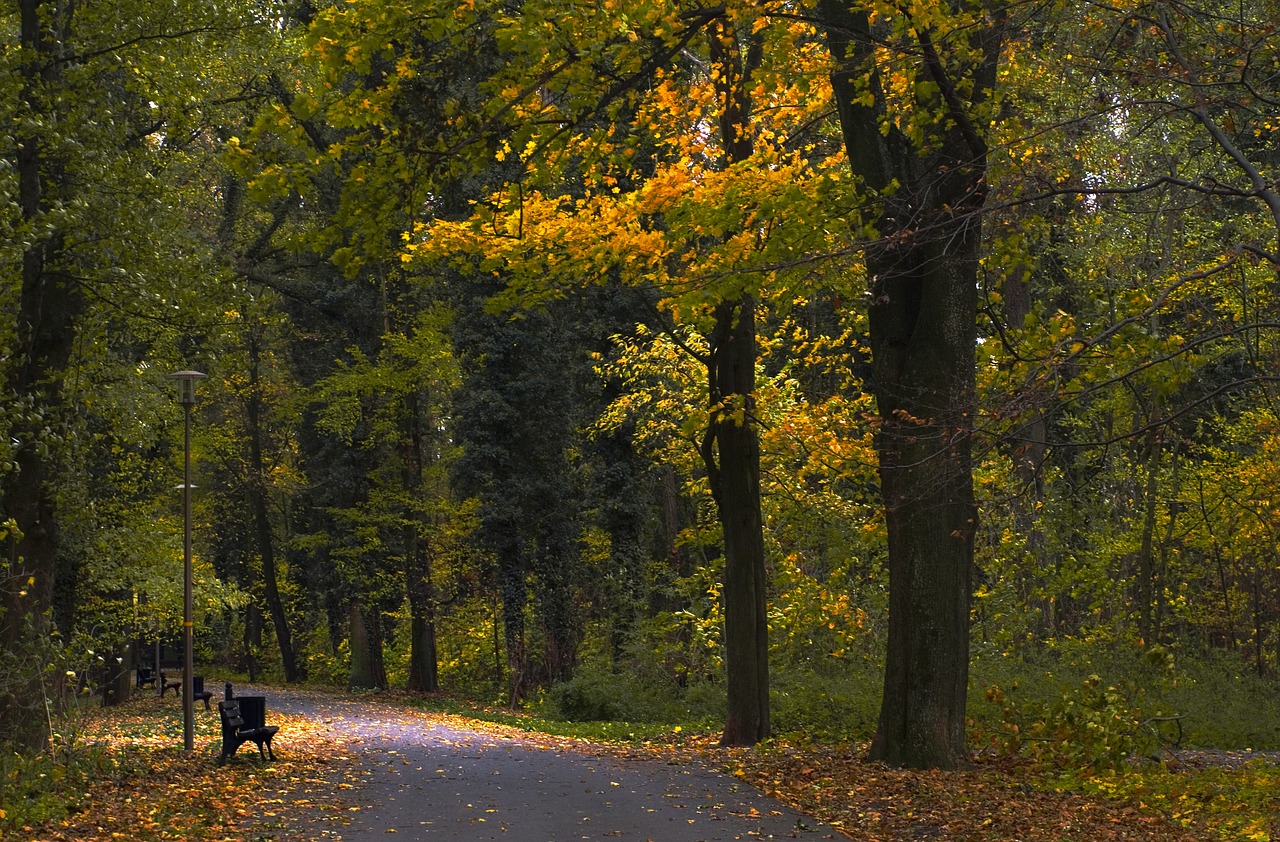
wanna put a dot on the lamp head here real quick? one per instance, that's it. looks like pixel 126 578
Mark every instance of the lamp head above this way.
pixel 187 386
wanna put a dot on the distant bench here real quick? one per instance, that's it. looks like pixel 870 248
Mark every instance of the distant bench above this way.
pixel 236 731
pixel 197 688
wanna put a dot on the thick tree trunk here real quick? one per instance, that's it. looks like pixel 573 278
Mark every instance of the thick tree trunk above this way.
pixel 424 676
pixel 44 334
pixel 922 335
pixel 368 672
pixel 923 271
pixel 120 677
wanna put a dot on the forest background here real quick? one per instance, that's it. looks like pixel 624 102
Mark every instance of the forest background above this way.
pixel 896 370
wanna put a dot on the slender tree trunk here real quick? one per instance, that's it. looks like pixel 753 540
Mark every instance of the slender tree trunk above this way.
pixel 1144 589
pixel 423 660
pixel 515 595
pixel 258 485
pixel 1259 630
pixel 731 449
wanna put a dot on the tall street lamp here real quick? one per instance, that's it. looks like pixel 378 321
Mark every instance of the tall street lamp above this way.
pixel 187 397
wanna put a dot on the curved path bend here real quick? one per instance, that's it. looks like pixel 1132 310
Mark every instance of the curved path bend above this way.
pixel 426 780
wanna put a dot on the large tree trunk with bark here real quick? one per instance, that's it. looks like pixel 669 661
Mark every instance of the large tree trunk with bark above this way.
pixel 368 671
pixel 44 335
pixel 923 273
pixel 922 341
pixel 735 484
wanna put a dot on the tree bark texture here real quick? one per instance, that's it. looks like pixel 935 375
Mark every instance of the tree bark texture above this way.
pixel 735 484
pixel 367 668
pixel 923 272
pixel 423 658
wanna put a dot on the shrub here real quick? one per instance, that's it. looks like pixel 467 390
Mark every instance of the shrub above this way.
pixel 597 696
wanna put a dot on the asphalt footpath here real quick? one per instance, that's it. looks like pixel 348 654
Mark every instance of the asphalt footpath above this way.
pixel 423 780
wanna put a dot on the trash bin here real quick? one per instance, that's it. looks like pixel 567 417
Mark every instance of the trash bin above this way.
pixel 253 710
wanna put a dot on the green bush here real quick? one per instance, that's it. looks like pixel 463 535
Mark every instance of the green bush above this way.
pixel 597 696
pixel 44 786
pixel 827 706
pixel 1089 704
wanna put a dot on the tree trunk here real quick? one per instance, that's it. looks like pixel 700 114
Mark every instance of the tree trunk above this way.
pixel 262 519
pixel 252 639
pixel 1144 587
pixel 923 272
pixel 735 484
pixel 515 595
pixel 731 449
pixel 423 658
pixel 44 335
pixel 367 669
pixel 117 676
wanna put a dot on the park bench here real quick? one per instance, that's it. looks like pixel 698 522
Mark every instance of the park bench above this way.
pixel 146 677
pixel 197 688
pixel 236 733
pixel 166 684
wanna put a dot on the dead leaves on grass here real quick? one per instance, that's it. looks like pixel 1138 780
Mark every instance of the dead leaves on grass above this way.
pixel 151 789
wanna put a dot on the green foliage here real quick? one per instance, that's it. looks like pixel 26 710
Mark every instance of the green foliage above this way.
pixel 48 784
pixel 606 731
pixel 598 696
pixel 1237 804
pixel 1090 705
pixel 324 666
pixel 837 705
pixel 1094 726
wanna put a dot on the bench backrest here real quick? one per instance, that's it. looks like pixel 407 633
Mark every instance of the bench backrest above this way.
pixel 229 710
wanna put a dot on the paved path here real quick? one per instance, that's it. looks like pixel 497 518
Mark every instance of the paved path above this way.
pixel 424 780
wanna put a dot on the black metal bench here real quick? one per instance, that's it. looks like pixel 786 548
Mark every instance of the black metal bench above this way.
pixel 198 691
pixel 236 733
pixel 197 688
pixel 166 684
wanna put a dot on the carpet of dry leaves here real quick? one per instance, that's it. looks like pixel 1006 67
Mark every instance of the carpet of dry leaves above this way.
pixel 154 791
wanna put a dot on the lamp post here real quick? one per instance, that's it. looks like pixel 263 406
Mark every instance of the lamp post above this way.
pixel 187 397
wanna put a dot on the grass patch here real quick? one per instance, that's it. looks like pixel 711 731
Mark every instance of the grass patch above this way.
pixel 534 722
